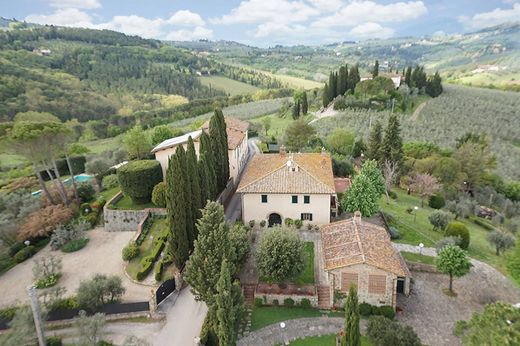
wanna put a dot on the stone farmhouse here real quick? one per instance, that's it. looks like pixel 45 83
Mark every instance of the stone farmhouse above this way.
pixel 237 146
pixel 299 186
pixel 360 253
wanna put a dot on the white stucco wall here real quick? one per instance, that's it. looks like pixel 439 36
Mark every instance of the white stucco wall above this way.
pixel 164 155
pixel 254 209
pixel 237 159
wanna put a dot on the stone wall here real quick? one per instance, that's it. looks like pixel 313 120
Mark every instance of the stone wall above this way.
pixel 269 293
pixel 421 267
pixel 125 220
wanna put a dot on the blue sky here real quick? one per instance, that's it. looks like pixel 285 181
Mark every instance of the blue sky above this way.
pixel 269 22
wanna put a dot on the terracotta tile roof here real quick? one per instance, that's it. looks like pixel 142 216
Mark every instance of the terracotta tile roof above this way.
pixel 342 184
pixel 173 142
pixel 269 173
pixel 236 130
pixel 355 241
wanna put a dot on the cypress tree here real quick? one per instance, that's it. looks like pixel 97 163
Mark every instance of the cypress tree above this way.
pixel 392 146
pixel 332 86
pixel 408 77
pixel 374 142
pixel 296 110
pixel 353 77
pixel 229 307
pixel 193 176
pixel 224 147
pixel 206 149
pixel 305 104
pixel 217 150
pixel 375 71
pixel 342 81
pixel 204 179
pixel 325 97
pixel 176 210
pixel 188 197
pixel 352 335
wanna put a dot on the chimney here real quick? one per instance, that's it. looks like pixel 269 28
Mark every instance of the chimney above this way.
pixel 357 216
pixel 282 150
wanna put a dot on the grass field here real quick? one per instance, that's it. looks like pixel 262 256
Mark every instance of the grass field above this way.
pixel 295 82
pixel 278 124
pixel 325 340
pixel 126 203
pixel 307 277
pixel 415 230
pixel 230 86
pixel 418 258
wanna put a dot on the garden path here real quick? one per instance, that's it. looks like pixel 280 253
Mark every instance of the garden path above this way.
pixel 102 255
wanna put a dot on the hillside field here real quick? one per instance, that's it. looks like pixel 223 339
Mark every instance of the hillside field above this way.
pixel 230 86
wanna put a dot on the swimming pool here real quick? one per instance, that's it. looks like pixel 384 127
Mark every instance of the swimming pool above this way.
pixel 80 178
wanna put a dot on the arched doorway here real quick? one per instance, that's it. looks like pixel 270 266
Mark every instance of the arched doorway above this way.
pixel 275 219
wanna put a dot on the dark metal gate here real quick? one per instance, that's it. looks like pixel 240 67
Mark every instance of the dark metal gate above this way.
pixel 164 290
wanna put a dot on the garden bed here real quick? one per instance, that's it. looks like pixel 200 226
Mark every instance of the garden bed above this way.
pixel 418 258
pixel 266 315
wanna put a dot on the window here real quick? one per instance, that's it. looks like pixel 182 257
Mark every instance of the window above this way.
pixel 377 284
pixel 306 199
pixel 295 199
pixel 348 279
pixel 264 198
pixel 306 216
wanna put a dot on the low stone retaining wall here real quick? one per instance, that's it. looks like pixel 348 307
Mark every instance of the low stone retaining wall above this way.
pixel 126 220
pixel 269 293
pixel 421 267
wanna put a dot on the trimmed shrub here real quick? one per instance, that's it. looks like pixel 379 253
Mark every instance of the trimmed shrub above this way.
pixel 86 192
pixel 375 310
pixel 458 229
pixel 110 181
pixel 259 302
pixel 289 302
pixel 365 309
pixel 24 254
pixel 394 233
pixel 146 267
pixel 436 201
pixel 159 195
pixel 305 303
pixel 262 223
pixel 13 249
pixel 48 281
pixel 382 331
pixel 130 251
pixel 138 178
pixel 75 245
pixel 298 223
pixel 288 221
pixel 387 311
pixel 252 223
pixel 159 271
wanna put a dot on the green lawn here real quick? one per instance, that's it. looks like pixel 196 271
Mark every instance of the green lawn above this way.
pixel 157 229
pixel 126 203
pixel 420 230
pixel 307 277
pixel 278 124
pixel 324 340
pixel 229 85
pixel 266 315
pixel 418 258
pixel 108 194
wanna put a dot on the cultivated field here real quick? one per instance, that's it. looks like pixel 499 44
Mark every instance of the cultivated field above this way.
pixel 445 118
pixel 230 86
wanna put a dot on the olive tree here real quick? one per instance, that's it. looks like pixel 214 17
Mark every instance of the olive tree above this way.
pixel 501 240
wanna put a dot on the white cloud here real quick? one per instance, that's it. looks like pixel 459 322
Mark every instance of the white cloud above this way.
pixel 135 25
pixel 491 18
pixel 85 4
pixel 186 18
pixel 264 11
pixel 358 12
pixel 278 29
pixel 327 5
pixel 197 33
pixel 63 17
pixel 371 30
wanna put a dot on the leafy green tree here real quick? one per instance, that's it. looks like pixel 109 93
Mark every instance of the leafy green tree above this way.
pixel 23 330
pixel 211 248
pixel 281 255
pixel 305 103
pixel 370 170
pixel 266 124
pixel 100 290
pixel 137 143
pixel 439 220
pixel 392 145
pixel 458 229
pixel 177 207
pixel 375 142
pixel 90 328
pixel 501 240
pixel 474 159
pixel 229 304
pixel 383 332
pixel 161 133
pixel 298 135
pixel 98 168
pixel 352 335
pixel 452 260
pixel 498 324
pixel 341 141
pixel 362 196
pixel 375 70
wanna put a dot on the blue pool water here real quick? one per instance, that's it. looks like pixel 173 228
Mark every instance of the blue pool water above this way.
pixel 81 178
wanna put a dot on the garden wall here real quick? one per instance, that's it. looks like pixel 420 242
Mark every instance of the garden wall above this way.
pixel 125 220
pixel 269 293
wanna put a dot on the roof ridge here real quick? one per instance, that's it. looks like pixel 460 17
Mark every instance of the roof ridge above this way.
pixel 261 177
pixel 358 236
pixel 313 177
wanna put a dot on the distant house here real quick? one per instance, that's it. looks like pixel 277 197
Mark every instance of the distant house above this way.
pixel 357 252
pixel 296 186
pixel 237 145
pixel 42 52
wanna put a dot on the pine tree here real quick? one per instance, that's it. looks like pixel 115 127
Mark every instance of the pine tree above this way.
pixel 206 149
pixel 211 248
pixel 229 305
pixel 325 97
pixel 375 71
pixel 193 176
pixel 305 105
pixel 352 335
pixel 374 142
pixel 176 210
pixel 392 146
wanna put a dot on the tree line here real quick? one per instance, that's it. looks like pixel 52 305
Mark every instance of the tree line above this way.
pixel 340 82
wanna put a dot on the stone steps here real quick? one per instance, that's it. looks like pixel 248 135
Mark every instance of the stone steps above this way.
pixel 323 297
pixel 249 293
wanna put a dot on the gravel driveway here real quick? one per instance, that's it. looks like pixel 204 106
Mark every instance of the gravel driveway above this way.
pixel 432 314
pixel 101 255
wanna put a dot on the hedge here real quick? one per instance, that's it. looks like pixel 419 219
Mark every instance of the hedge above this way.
pixel 146 266
pixel 138 178
pixel 24 254
pixel 159 271
pixel 366 310
pixel 159 195
pixel 458 229
pixel 436 201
